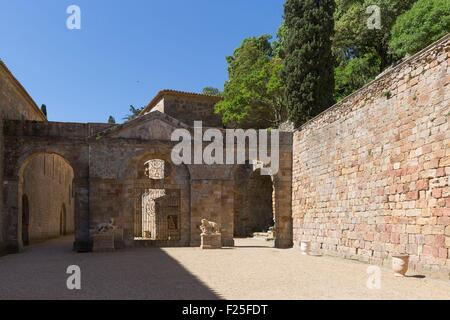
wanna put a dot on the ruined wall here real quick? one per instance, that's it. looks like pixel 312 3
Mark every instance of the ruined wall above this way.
pixel 47 183
pixel 15 103
pixel 371 176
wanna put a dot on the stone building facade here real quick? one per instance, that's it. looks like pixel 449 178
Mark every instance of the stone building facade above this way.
pixel 111 179
pixel 367 179
pixel 15 103
pixel 371 176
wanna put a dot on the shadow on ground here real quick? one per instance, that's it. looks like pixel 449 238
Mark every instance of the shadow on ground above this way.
pixel 40 273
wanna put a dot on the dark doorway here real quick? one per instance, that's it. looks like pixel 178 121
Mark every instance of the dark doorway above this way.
pixel 253 212
pixel 63 221
pixel 25 221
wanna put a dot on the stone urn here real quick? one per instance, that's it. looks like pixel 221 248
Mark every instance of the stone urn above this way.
pixel 305 247
pixel 400 264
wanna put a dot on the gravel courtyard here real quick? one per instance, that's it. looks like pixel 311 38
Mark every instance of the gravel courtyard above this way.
pixel 250 271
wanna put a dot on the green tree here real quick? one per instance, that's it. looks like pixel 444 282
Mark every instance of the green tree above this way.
pixel 425 23
pixel 111 120
pixel 308 64
pixel 354 74
pixel 211 91
pixel 353 37
pixel 253 94
pixel 44 110
pixel 361 53
pixel 134 113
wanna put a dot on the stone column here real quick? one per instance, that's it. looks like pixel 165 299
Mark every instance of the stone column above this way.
pixel 283 214
pixel 13 217
pixel 282 195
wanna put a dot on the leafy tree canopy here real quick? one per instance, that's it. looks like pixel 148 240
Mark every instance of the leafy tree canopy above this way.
pixel 352 36
pixel 211 91
pixel 425 23
pixel 253 95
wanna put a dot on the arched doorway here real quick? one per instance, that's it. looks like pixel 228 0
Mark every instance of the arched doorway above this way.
pixel 25 220
pixel 47 203
pixel 253 210
pixel 158 201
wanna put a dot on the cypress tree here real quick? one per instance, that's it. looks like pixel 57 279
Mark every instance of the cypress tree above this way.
pixel 309 65
pixel 44 110
pixel 111 120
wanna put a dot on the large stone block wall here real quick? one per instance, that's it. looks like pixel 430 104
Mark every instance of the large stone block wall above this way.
pixel 47 183
pixel 371 176
pixel 15 103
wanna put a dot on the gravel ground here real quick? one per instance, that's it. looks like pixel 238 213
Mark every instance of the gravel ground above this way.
pixel 252 270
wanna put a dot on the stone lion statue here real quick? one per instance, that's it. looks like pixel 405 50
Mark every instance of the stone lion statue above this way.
pixel 209 227
pixel 105 227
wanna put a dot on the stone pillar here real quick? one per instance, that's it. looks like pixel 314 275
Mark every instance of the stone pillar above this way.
pixel 283 214
pixel 13 217
pixel 82 241
pixel 282 195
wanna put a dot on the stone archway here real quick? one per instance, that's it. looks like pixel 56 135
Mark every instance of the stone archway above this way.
pixel 46 180
pixel 155 205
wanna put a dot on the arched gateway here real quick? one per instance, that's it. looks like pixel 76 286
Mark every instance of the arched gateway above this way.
pixel 112 179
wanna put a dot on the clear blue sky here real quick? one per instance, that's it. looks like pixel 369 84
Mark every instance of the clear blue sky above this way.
pixel 126 51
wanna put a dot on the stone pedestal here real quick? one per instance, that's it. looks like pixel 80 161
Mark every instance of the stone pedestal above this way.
pixel 103 242
pixel 118 238
pixel 211 241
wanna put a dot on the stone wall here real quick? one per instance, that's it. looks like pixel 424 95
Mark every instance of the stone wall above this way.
pixel 371 176
pixel 187 107
pixel 15 103
pixel 47 184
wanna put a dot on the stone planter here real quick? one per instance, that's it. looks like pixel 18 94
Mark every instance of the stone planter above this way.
pixel 211 241
pixel 305 247
pixel 400 265
pixel 118 238
pixel 103 242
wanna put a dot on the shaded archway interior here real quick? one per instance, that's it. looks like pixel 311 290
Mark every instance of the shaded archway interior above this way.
pixel 46 205
pixel 253 206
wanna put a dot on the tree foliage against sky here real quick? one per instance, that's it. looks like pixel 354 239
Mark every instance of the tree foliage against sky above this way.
pixel 111 120
pixel 211 91
pixel 253 92
pixel 134 113
pixel 308 63
pixel 425 23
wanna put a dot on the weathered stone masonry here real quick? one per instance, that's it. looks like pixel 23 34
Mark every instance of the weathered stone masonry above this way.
pixel 15 103
pixel 371 176
pixel 109 179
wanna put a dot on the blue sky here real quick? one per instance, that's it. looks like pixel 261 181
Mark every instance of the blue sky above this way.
pixel 126 51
